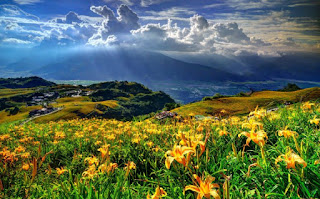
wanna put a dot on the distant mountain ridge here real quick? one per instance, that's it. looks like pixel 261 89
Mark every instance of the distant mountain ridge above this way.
pixel 131 66
pixel 24 82
pixel 144 66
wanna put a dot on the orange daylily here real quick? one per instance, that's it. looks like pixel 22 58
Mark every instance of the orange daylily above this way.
pixel 26 166
pixel 130 165
pixel 307 105
pixel 257 137
pixel 193 141
pixel 291 159
pixel 92 160
pixel 90 172
pixel 204 188
pixel 177 154
pixel 61 170
pixel 158 194
pixel 104 168
pixel 222 131
pixel 20 149
pixel 258 113
pixel 105 153
pixel 315 120
pixel 252 124
pixel 287 133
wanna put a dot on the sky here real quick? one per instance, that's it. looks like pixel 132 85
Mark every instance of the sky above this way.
pixel 226 27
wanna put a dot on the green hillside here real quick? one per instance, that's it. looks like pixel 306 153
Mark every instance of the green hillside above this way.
pixel 116 99
pixel 243 105
pixel 24 82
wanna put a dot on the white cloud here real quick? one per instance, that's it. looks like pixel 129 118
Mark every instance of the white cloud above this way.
pixel 14 11
pixel 127 20
pixel 146 3
pixel 98 41
pixel 127 2
pixel 15 41
pixel 199 37
pixel 304 4
pixel 27 2
pixel 128 17
pixel 267 32
pixel 172 12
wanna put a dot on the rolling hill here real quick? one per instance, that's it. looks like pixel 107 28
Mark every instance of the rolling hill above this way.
pixel 24 82
pixel 243 105
pixel 113 100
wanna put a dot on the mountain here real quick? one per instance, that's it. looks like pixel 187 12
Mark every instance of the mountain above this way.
pixel 142 66
pixel 24 82
pixel 295 65
pixel 299 66
pixel 130 65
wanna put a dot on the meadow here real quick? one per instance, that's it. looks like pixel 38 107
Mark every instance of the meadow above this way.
pixel 266 155
pixel 237 105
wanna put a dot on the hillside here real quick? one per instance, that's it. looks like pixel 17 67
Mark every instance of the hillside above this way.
pixel 24 82
pixel 118 100
pixel 243 105
pixel 272 156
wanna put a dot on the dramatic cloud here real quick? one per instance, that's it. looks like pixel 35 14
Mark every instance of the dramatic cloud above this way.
pixel 26 2
pixel 200 36
pixel 192 33
pixel 127 20
pixel 143 3
pixel 72 17
pixel 146 3
pixel 15 41
pixel 230 32
pixel 14 11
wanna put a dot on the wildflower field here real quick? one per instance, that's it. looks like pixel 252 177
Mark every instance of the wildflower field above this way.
pixel 265 155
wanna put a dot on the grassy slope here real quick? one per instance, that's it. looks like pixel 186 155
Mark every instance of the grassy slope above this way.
pixel 242 105
pixel 73 108
pixel 7 92
pixel 23 114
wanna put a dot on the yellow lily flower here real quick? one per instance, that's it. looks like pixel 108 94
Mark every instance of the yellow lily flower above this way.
pixel 291 159
pixel 315 120
pixel 130 165
pixel 307 105
pixel 222 131
pixel 92 160
pixel 104 168
pixel 61 171
pixel 105 153
pixel 193 141
pixel 204 188
pixel 177 154
pixel 158 194
pixel 252 124
pixel 26 167
pixel 258 113
pixel 257 137
pixel 287 133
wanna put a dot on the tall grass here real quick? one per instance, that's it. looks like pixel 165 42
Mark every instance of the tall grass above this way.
pixel 93 158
